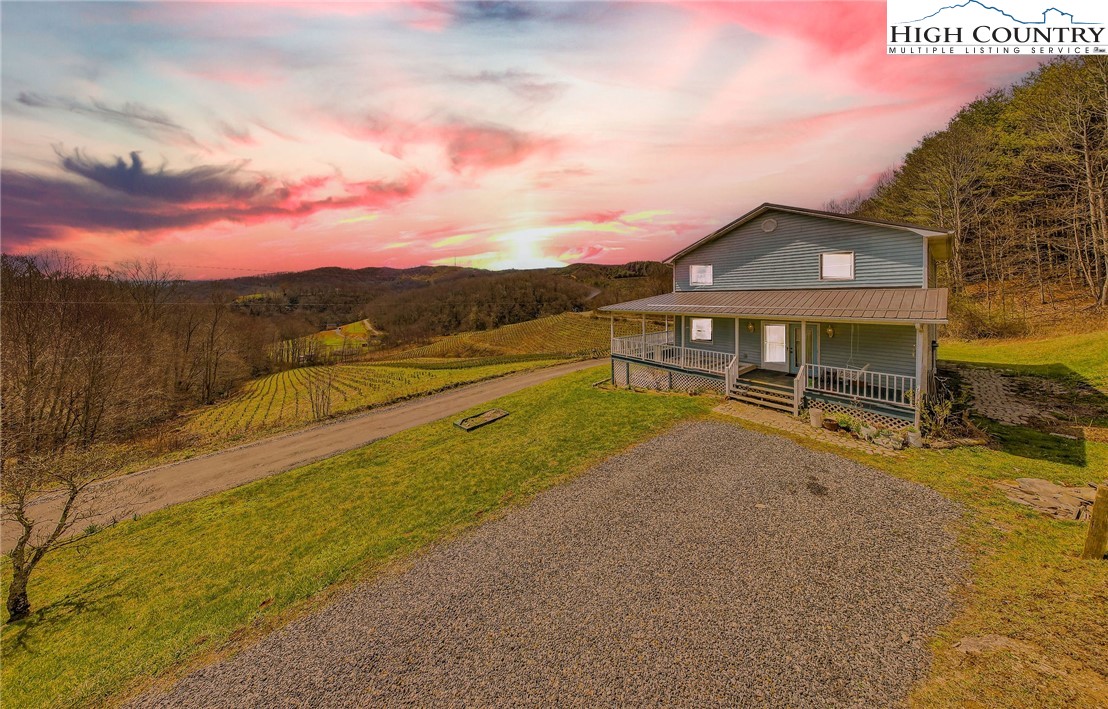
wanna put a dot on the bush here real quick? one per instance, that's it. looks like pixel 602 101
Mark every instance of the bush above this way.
pixel 970 320
pixel 942 412
pixel 846 422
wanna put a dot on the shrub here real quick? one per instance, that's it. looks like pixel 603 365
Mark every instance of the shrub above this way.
pixel 971 320
pixel 846 422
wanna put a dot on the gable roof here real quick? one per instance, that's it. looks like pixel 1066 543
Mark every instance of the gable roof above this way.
pixel 924 232
pixel 904 305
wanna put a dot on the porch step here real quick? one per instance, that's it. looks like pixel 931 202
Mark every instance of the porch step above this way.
pixel 763 394
pixel 765 385
pixel 765 403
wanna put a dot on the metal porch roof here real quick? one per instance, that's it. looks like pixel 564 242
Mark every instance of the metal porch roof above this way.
pixel 913 305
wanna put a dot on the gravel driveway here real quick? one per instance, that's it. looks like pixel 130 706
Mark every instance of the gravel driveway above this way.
pixel 708 566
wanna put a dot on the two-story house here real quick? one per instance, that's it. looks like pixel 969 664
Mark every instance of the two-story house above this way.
pixel 787 307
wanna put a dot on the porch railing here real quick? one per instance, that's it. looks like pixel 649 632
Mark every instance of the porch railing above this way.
pixel 659 347
pixel 862 384
pixel 633 345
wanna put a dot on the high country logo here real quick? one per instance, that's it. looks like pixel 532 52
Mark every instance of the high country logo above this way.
pixel 997 27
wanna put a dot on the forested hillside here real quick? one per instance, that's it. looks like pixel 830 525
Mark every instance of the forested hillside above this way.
pixel 416 304
pixel 1019 176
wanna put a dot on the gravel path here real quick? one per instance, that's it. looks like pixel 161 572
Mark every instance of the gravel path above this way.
pixel 708 566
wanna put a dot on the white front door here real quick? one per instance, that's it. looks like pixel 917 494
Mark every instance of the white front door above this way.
pixel 775 353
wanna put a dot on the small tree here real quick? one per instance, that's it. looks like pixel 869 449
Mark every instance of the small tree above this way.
pixel 321 383
pixel 45 499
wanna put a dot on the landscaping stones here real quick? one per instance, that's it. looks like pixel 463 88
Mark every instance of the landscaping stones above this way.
pixel 1058 501
pixel 880 445
pixel 994 396
pixel 709 566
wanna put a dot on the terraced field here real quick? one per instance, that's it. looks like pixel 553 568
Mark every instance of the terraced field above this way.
pixel 282 400
pixel 568 334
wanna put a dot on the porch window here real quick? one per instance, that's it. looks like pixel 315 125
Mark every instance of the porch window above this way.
pixel 836 266
pixel 700 275
pixel 701 329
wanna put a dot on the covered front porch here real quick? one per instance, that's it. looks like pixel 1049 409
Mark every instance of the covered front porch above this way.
pixel 785 364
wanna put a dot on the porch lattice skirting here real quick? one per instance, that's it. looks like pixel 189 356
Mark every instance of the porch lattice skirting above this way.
pixel 830 408
pixel 643 376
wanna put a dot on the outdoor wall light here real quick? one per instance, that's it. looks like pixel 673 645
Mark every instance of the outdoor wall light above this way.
pixel 750 327
pixel 830 332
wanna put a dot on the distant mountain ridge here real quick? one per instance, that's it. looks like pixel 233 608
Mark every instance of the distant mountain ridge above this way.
pixel 412 305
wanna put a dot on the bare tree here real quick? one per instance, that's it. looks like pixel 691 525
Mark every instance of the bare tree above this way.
pixel 321 384
pixel 45 498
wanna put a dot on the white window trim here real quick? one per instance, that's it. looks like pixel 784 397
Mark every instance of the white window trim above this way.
pixel 853 265
pixel 711 330
pixel 707 266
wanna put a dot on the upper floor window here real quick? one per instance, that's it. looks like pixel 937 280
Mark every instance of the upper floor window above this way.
pixel 836 266
pixel 700 275
pixel 700 329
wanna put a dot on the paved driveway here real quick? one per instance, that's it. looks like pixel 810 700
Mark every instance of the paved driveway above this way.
pixel 709 566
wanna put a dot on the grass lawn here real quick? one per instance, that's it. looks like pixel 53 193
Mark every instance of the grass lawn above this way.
pixel 1083 356
pixel 149 596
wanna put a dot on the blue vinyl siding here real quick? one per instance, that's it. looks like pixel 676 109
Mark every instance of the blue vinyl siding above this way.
pixel 885 348
pixel 788 257
pixel 723 335
pixel 750 343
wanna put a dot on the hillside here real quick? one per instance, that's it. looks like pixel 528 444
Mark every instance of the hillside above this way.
pixel 1020 177
pixel 412 306
pixel 568 334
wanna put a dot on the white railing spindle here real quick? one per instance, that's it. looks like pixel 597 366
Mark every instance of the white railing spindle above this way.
pixel 862 384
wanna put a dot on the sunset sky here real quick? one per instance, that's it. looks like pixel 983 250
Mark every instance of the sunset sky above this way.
pixel 226 139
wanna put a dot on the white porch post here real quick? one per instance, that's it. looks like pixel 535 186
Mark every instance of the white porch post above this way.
pixel 684 334
pixel 803 343
pixel 611 345
pixel 643 336
pixel 917 395
pixel 736 339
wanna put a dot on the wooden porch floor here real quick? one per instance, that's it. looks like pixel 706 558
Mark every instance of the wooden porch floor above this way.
pixel 768 376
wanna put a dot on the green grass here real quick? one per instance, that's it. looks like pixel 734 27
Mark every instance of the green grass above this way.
pixel 1083 356
pixel 567 334
pixel 352 335
pixel 145 597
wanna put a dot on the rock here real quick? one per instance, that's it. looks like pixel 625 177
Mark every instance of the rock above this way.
pixel 1058 501
pixel 868 432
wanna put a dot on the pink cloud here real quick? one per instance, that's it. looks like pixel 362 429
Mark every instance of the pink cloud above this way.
pixel 851 35
pixel 467 147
